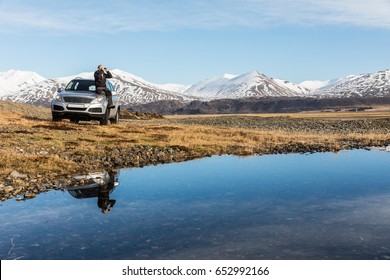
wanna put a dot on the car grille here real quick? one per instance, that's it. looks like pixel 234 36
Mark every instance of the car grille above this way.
pixel 76 109
pixel 74 99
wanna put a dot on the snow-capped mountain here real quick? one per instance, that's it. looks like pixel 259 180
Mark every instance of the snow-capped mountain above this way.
pixel 40 93
pixel 135 90
pixel 299 88
pixel 313 85
pixel 252 84
pixel 14 80
pixel 131 89
pixel 173 87
pixel 29 87
pixel 5 86
pixel 365 85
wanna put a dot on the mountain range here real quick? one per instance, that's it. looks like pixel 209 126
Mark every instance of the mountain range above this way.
pixel 30 87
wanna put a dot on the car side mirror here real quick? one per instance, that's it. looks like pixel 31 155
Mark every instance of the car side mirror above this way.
pixel 60 89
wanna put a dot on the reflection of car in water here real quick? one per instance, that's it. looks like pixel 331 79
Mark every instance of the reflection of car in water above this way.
pixel 99 185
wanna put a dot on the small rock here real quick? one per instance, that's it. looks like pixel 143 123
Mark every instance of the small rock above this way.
pixel 29 195
pixel 16 191
pixel 8 189
pixel 16 174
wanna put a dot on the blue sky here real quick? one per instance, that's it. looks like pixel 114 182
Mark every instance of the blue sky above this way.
pixel 186 41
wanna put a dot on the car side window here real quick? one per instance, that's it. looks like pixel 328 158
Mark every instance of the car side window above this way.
pixel 69 86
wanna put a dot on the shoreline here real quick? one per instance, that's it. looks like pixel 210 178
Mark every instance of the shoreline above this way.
pixel 21 186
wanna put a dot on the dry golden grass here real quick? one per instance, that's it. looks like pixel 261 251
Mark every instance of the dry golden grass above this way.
pixel 222 139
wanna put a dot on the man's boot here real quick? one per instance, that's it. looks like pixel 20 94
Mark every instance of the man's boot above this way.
pixel 110 104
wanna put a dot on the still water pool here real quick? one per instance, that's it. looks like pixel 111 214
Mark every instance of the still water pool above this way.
pixel 312 206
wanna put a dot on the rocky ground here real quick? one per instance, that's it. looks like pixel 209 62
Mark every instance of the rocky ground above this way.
pixel 38 155
pixel 291 125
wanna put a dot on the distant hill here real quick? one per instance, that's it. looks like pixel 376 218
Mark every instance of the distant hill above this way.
pixel 262 105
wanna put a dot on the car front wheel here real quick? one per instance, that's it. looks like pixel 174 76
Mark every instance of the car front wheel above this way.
pixel 104 120
pixel 116 118
pixel 56 118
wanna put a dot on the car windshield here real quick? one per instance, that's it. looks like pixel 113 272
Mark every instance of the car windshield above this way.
pixel 81 85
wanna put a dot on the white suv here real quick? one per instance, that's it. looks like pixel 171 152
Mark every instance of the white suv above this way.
pixel 79 101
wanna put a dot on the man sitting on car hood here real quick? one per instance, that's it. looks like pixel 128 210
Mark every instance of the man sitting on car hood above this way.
pixel 100 82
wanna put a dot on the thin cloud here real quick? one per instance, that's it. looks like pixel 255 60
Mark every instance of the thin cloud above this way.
pixel 359 13
pixel 147 15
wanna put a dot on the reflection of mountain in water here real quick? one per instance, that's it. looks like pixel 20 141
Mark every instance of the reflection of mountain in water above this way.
pixel 87 186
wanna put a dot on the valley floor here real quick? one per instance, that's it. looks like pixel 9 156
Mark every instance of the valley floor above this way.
pixel 38 155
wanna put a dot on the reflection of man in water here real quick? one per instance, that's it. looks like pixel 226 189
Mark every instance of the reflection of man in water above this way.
pixel 104 201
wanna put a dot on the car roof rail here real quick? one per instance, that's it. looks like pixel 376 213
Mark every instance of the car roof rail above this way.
pixel 81 78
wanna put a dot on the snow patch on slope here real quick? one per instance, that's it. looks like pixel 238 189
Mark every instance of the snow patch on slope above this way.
pixel 252 84
pixel 372 84
pixel 14 80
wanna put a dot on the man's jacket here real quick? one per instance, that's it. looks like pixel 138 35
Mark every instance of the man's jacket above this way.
pixel 100 78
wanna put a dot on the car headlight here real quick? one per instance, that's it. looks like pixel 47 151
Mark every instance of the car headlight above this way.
pixel 98 99
pixel 58 97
